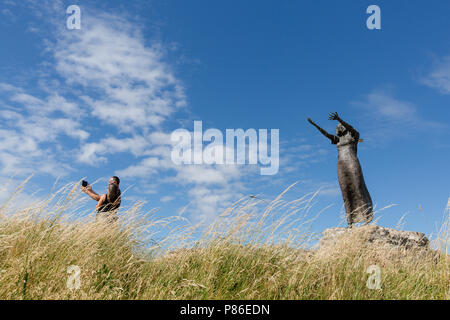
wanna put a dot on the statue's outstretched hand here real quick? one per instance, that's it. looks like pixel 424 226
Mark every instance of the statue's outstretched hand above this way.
pixel 333 116
pixel 310 121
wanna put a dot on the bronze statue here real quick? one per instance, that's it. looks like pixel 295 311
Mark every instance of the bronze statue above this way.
pixel 357 201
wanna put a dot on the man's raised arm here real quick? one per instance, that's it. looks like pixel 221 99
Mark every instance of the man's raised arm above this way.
pixel 91 193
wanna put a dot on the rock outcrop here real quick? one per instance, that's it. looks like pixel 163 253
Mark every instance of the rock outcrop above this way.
pixel 375 243
pixel 377 235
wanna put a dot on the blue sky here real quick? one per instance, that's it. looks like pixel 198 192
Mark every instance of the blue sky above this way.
pixel 103 100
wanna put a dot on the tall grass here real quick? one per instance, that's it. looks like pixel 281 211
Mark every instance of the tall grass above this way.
pixel 254 250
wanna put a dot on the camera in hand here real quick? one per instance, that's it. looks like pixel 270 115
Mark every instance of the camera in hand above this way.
pixel 84 183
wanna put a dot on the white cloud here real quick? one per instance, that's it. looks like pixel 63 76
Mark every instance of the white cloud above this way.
pixel 166 199
pixel 133 88
pixel 210 202
pixel 41 119
pixel 382 104
pixel 90 152
pixel 31 131
pixel 390 112
pixel 384 118
pixel 200 174
pixel 439 76
pixel 160 138
pixel 145 168
pixel 21 155
pixel 13 141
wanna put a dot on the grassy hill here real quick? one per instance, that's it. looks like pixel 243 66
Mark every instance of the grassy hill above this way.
pixel 237 258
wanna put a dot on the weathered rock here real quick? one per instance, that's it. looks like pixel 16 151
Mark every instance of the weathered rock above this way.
pixel 376 235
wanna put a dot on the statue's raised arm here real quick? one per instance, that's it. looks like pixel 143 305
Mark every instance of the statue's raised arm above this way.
pixel 335 116
pixel 334 139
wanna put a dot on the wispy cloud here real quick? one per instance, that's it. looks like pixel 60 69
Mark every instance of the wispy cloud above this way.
pixel 130 85
pixel 383 117
pixel 167 199
pixel 31 129
pixel 439 76
pixel 389 111
pixel 382 104
pixel 94 153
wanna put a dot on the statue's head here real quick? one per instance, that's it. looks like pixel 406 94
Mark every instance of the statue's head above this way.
pixel 340 130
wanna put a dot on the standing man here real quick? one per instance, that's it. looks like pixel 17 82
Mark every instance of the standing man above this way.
pixel 107 204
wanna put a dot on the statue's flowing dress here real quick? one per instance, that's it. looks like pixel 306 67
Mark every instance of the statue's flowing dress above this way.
pixel 357 200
